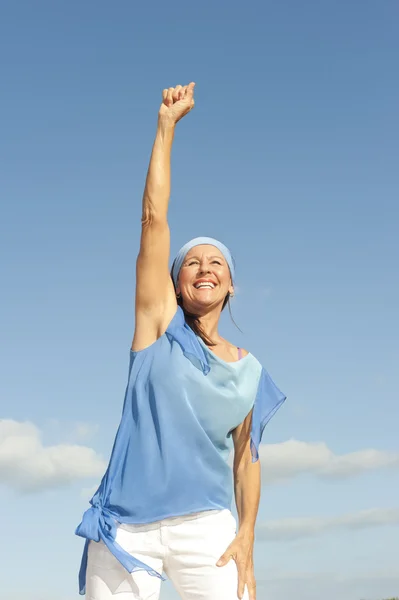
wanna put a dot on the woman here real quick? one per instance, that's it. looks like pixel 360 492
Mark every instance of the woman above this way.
pixel 164 502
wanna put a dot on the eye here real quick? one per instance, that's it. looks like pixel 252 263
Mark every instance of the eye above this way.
pixel 217 262
pixel 192 262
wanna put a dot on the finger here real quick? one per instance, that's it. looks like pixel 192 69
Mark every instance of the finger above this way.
pixel 169 97
pixel 241 589
pixel 176 93
pixel 241 578
pixel 223 560
pixel 190 89
pixel 251 587
pixel 190 94
pixel 183 92
pixel 164 94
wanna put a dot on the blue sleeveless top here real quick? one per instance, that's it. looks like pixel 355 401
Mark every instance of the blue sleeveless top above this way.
pixel 170 453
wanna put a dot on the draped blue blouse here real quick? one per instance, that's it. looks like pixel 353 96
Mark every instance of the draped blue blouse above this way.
pixel 170 455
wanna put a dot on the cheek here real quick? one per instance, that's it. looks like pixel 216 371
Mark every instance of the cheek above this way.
pixel 184 278
pixel 225 278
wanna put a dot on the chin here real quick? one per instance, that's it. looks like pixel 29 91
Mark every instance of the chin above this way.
pixel 198 306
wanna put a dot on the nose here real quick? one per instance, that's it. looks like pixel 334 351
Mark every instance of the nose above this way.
pixel 203 267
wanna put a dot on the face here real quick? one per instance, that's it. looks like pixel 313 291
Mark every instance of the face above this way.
pixel 204 279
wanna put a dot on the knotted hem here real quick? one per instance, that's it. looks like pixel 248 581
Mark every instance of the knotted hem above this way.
pixel 99 524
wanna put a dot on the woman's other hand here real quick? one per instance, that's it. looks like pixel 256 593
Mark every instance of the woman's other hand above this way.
pixel 241 551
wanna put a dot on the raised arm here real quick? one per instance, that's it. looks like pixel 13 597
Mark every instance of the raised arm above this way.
pixel 155 297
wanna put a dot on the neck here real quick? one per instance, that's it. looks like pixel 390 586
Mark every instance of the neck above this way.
pixel 210 324
pixel 209 321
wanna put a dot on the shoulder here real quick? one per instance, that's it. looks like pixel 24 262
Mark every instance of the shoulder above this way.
pixel 234 350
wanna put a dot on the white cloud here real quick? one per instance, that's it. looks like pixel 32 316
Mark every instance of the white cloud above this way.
pixel 69 432
pixel 289 459
pixel 283 585
pixel 84 431
pixel 27 465
pixel 329 586
pixel 301 527
pixel 352 575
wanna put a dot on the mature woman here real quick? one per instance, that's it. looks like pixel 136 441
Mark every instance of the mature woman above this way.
pixel 163 505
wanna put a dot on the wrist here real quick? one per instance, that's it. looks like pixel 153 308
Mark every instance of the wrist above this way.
pixel 247 530
pixel 166 124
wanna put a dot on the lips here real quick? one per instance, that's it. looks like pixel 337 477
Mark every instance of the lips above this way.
pixel 204 284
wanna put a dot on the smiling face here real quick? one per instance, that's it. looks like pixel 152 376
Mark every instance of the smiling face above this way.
pixel 204 279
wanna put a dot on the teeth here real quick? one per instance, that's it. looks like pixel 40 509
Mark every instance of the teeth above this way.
pixel 205 285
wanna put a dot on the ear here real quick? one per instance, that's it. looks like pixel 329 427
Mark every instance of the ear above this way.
pixel 231 290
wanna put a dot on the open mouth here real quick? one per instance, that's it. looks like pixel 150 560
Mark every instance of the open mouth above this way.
pixel 208 285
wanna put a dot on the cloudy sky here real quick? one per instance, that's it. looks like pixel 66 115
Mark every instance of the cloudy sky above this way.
pixel 290 157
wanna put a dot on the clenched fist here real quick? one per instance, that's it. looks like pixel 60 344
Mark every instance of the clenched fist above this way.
pixel 177 102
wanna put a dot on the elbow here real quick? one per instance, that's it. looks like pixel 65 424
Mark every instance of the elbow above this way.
pixel 146 219
pixel 155 207
pixel 151 218
pixel 245 466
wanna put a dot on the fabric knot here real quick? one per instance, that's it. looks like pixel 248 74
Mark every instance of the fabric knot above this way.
pixel 89 527
pixel 96 524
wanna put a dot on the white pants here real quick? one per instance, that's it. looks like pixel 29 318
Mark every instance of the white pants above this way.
pixel 186 549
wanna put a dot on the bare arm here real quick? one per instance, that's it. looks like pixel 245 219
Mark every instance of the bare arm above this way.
pixel 152 262
pixel 155 297
pixel 247 495
pixel 247 479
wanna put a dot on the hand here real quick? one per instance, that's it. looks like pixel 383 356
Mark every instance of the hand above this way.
pixel 241 550
pixel 177 102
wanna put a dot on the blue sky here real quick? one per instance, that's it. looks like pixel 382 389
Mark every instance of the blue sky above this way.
pixel 290 157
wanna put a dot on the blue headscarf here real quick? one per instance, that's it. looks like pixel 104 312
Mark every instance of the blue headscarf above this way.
pixel 181 255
